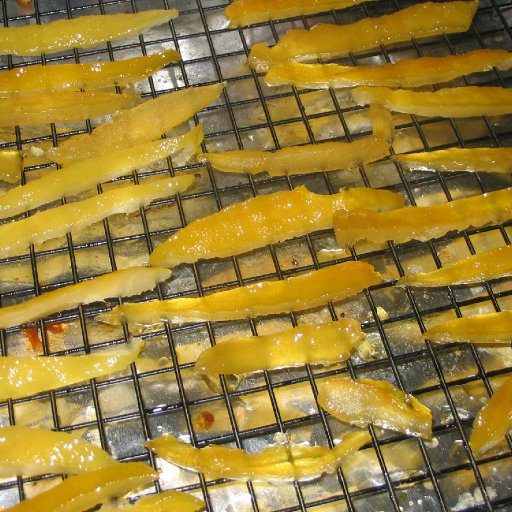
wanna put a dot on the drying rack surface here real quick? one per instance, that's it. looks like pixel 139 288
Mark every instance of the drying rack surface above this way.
pixel 160 393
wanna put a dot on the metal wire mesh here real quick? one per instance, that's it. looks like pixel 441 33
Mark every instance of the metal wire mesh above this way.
pixel 161 394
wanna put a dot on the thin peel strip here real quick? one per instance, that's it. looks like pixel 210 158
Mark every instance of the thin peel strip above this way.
pixel 362 402
pixel 22 376
pixel 11 166
pixel 483 266
pixel 423 223
pixel 404 73
pixel 305 291
pixel 324 344
pixel 264 220
pixel 84 175
pixel 275 463
pixel 483 329
pixel 54 452
pixel 121 283
pixel 166 501
pixel 18 236
pixel 327 41
pixel 89 75
pixel 455 102
pixel 82 32
pixel 148 121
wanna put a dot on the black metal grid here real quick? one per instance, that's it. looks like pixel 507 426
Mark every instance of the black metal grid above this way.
pixel 147 401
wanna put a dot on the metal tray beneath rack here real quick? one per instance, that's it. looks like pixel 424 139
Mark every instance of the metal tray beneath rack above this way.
pixel 160 393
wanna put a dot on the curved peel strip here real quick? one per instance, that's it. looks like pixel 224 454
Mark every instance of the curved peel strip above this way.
pixel 17 236
pixel 81 32
pixel 89 173
pixel 423 223
pixel 484 329
pixel 167 501
pixel 305 291
pixel 476 268
pixel 53 452
pixel 309 158
pixel 22 376
pixel 366 401
pixel 494 420
pixel 67 106
pixel 122 283
pixel 327 41
pixel 324 344
pixel 85 491
pixel 241 13
pixel 276 463
pixel 89 75
pixel 498 160
pixel 456 102
pixel 264 220
pixel 147 121
pixel 11 165
pixel 404 73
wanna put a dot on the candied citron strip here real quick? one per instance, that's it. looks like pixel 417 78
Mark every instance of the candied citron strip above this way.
pixel 241 13
pixel 484 329
pixel 85 491
pixel 404 73
pixel 324 344
pixel 121 283
pixel 81 32
pixel 425 222
pixel 263 220
pixel 328 41
pixel 22 376
pixel 275 463
pixel 17 236
pixel 64 107
pixel 88 75
pixel 490 264
pixel 309 158
pixel 455 102
pixel 166 501
pixel 493 421
pixel 361 402
pixel 498 160
pixel 305 291
pixel 84 175
pixel 11 165
pixel 53 452
pixel 147 121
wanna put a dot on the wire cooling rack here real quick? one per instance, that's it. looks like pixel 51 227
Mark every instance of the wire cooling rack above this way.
pixel 160 393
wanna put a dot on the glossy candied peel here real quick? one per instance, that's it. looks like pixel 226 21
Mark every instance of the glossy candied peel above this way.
pixel 54 452
pixel 485 329
pixel 455 102
pixel 497 160
pixel 405 73
pixel 67 106
pixel 275 463
pixel 11 165
pixel 86 174
pixel 264 220
pixel 146 122
pixel 80 32
pixel 309 158
pixel 493 421
pixel 49 224
pixel 328 41
pixel 85 491
pixel 305 291
pixel 89 75
pixel 121 283
pixel 165 501
pixel 324 344
pixel 423 223
pixel 361 402
pixel 22 376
